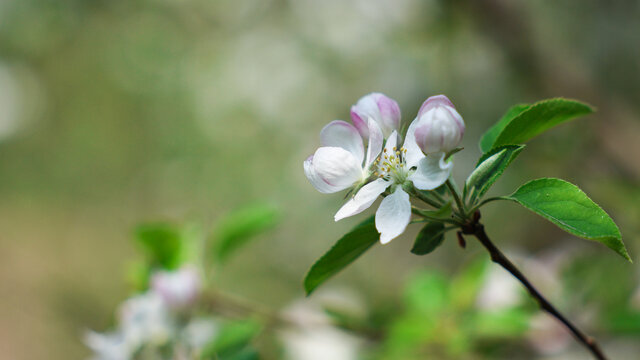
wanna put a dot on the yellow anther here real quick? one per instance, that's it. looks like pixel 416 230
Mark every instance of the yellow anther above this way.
pixel 395 148
pixel 384 150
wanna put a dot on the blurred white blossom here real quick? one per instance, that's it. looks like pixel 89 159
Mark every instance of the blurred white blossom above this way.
pixel 149 320
pixel 22 99
pixel 312 336
pixel 200 331
pixel 145 319
pixel 179 288
pixel 111 346
pixel 500 290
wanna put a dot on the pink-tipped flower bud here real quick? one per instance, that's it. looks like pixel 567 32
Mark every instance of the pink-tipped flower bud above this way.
pixel 178 289
pixel 379 107
pixel 439 127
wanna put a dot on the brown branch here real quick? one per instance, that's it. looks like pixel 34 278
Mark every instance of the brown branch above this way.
pixel 477 229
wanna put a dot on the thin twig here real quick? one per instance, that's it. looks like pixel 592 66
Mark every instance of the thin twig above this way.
pixel 456 196
pixel 424 197
pixel 477 229
pixel 426 216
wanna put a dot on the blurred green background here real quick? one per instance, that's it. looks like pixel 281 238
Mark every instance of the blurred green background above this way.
pixel 115 112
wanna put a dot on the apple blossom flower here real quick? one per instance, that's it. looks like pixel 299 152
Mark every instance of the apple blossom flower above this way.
pixel 438 126
pixel 179 288
pixel 340 164
pixel 396 168
pixel 379 107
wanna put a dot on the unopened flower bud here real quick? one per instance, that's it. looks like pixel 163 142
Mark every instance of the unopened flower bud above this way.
pixel 440 128
pixel 379 107
pixel 179 288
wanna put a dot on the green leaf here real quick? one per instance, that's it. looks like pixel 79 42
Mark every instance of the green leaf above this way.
pixel 467 284
pixel 239 227
pixel 429 238
pixel 344 252
pixel 489 137
pixel 565 205
pixel 162 243
pixel 233 339
pixel 540 117
pixel 490 167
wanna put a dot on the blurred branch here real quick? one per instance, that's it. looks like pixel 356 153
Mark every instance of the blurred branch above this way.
pixel 234 306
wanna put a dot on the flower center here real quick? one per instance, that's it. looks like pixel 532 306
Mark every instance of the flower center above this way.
pixel 392 165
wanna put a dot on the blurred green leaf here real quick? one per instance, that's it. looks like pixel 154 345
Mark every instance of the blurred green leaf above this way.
pixel 233 340
pixel 539 118
pixel 161 243
pixel 590 266
pixel 429 238
pixel 466 285
pixel 565 205
pixel 344 252
pixel 490 136
pixel 238 228
pixel 502 323
pixel 248 353
pixel 624 321
pixel 428 293
pixel 137 275
pixel 490 167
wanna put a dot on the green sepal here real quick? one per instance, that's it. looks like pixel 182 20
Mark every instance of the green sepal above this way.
pixel 489 168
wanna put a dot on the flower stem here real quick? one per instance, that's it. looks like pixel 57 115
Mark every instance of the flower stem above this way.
pixel 438 197
pixel 487 200
pixel 426 216
pixel 477 229
pixel 427 199
pixel 456 197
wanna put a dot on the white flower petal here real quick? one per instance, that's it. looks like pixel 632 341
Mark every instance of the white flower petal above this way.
pixel 340 133
pixel 414 153
pixel 432 172
pixel 381 108
pixel 109 346
pixel 316 180
pixel 375 142
pixel 363 199
pixel 393 215
pixel 392 142
pixel 337 167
